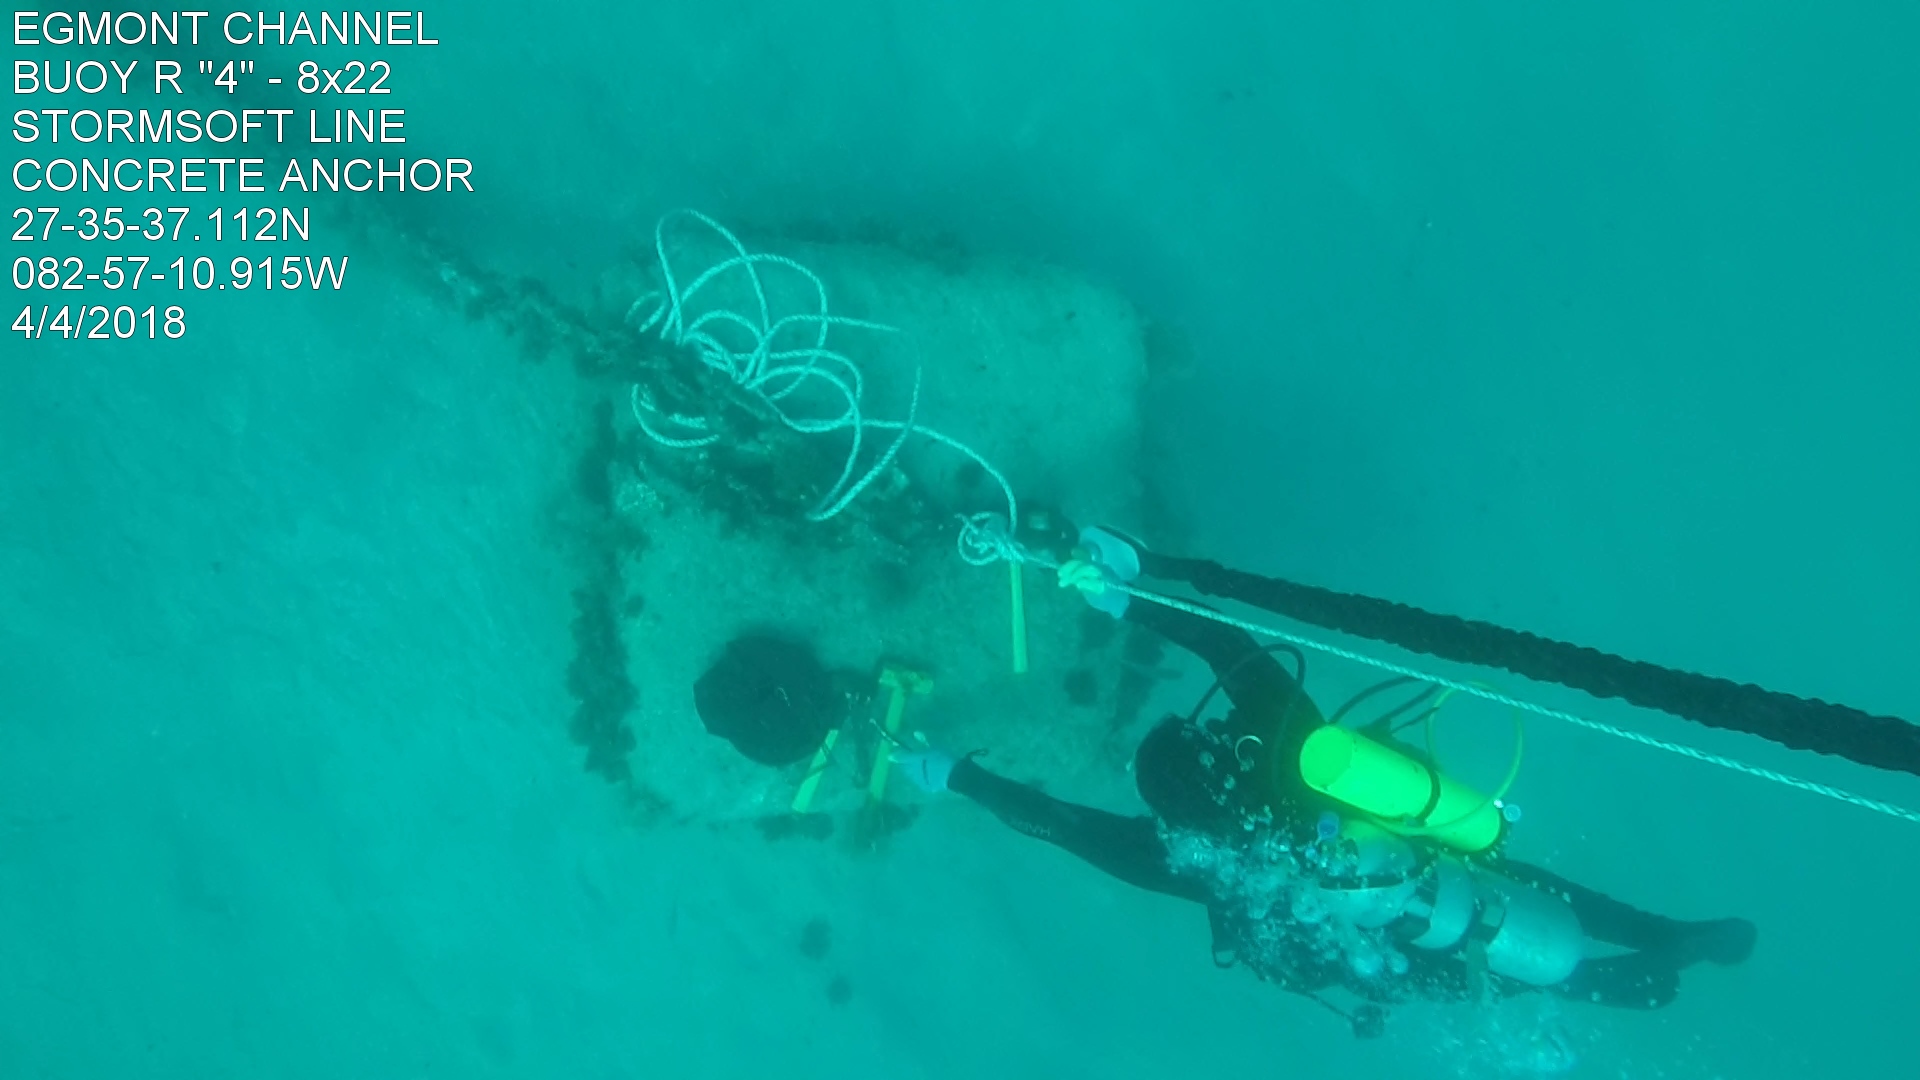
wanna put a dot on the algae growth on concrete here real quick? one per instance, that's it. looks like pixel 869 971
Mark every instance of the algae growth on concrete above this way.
pixel 1037 372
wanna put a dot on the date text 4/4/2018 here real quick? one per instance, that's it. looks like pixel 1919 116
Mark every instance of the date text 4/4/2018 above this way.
pixel 97 322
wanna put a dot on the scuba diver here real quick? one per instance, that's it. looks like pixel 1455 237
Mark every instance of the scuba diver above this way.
pixel 1263 817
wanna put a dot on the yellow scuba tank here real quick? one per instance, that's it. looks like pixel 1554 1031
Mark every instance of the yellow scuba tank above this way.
pixel 1402 794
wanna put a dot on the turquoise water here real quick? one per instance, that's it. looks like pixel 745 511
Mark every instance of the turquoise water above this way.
pixel 1596 323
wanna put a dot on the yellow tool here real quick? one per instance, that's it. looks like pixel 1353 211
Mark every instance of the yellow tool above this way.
pixel 803 798
pixel 899 682
pixel 1019 617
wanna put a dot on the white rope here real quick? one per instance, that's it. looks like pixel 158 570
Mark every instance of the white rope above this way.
pixel 1008 549
pixel 775 374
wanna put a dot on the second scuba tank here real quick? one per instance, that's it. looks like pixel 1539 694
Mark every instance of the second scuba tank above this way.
pixel 1529 936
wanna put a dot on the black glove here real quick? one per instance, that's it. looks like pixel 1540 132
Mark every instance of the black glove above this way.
pixel 1369 1022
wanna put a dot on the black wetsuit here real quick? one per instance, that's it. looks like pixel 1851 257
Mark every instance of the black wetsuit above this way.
pixel 1271 707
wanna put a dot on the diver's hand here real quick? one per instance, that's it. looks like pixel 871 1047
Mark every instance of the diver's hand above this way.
pixel 1369 1021
pixel 925 768
pixel 1096 584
